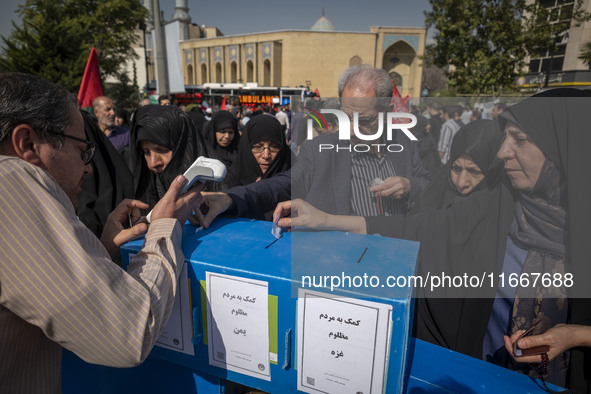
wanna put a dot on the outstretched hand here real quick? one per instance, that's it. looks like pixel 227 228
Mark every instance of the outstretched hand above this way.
pixel 298 213
pixel 217 203
pixel 176 206
pixel 115 232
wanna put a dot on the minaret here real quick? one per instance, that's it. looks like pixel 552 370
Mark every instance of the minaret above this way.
pixel 149 18
pixel 161 64
pixel 182 15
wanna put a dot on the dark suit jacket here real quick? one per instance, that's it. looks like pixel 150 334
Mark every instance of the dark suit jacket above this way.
pixel 323 178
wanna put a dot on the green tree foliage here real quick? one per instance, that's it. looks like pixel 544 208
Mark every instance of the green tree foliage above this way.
pixel 126 92
pixel 55 38
pixel 585 55
pixel 477 39
pixel 484 43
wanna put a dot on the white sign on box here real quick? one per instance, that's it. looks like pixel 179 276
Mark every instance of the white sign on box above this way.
pixel 342 344
pixel 177 333
pixel 238 324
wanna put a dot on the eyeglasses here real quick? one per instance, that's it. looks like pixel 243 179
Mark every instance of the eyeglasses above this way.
pixel 261 148
pixel 88 152
pixel 367 120
pixel 364 121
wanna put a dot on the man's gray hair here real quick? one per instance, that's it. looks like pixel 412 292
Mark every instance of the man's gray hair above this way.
pixel 32 100
pixel 364 75
pixel 97 102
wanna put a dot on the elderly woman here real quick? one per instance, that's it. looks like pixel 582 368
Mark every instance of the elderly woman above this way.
pixel 473 166
pixel 262 152
pixel 221 134
pixel 533 224
pixel 163 145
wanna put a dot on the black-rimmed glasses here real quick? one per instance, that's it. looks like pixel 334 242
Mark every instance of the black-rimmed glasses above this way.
pixel 90 146
pixel 261 148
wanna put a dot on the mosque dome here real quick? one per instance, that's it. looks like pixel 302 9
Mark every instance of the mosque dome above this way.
pixel 323 24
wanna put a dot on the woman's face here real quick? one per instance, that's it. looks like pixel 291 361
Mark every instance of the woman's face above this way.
pixel 523 159
pixel 465 174
pixel 224 137
pixel 157 156
pixel 264 152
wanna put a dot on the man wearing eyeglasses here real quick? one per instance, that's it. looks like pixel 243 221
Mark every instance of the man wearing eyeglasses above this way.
pixel 343 180
pixel 60 287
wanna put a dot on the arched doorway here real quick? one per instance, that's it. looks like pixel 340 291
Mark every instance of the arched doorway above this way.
pixel 233 72
pixel 204 78
pixel 267 73
pixel 249 71
pixel 398 62
pixel 218 72
pixel 190 74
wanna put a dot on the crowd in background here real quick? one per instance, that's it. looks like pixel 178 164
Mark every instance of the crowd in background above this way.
pixel 455 191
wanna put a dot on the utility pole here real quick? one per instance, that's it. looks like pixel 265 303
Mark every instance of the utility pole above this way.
pixel 161 63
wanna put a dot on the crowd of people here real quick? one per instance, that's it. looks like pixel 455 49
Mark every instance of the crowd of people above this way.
pixel 502 195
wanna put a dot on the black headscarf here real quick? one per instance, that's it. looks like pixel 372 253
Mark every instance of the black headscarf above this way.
pixel 107 185
pixel 480 140
pixel 222 120
pixel 245 169
pixel 169 127
pixel 557 121
pixel 471 235
pixel 427 147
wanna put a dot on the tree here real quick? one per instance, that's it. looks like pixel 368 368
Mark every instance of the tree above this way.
pixel 55 38
pixel 585 55
pixel 485 42
pixel 476 39
pixel 126 92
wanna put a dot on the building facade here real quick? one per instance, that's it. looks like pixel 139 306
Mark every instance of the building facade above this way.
pixel 311 58
pixel 561 66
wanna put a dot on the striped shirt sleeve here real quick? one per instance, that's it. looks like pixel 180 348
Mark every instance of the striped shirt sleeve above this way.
pixel 57 276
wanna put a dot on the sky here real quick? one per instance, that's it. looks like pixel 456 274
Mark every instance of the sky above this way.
pixel 254 16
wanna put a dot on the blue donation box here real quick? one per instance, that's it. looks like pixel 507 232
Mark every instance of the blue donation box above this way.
pixel 308 312
pixel 313 312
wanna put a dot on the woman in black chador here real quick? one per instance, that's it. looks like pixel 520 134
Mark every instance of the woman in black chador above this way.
pixel 221 134
pixel 262 152
pixel 163 145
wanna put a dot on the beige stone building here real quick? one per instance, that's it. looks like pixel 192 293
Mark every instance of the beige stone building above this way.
pixel 312 58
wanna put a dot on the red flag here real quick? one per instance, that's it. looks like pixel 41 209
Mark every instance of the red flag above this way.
pixel 223 106
pixel 90 88
pixel 399 104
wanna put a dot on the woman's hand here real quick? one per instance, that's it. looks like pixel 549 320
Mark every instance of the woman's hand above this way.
pixel 298 213
pixel 559 338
